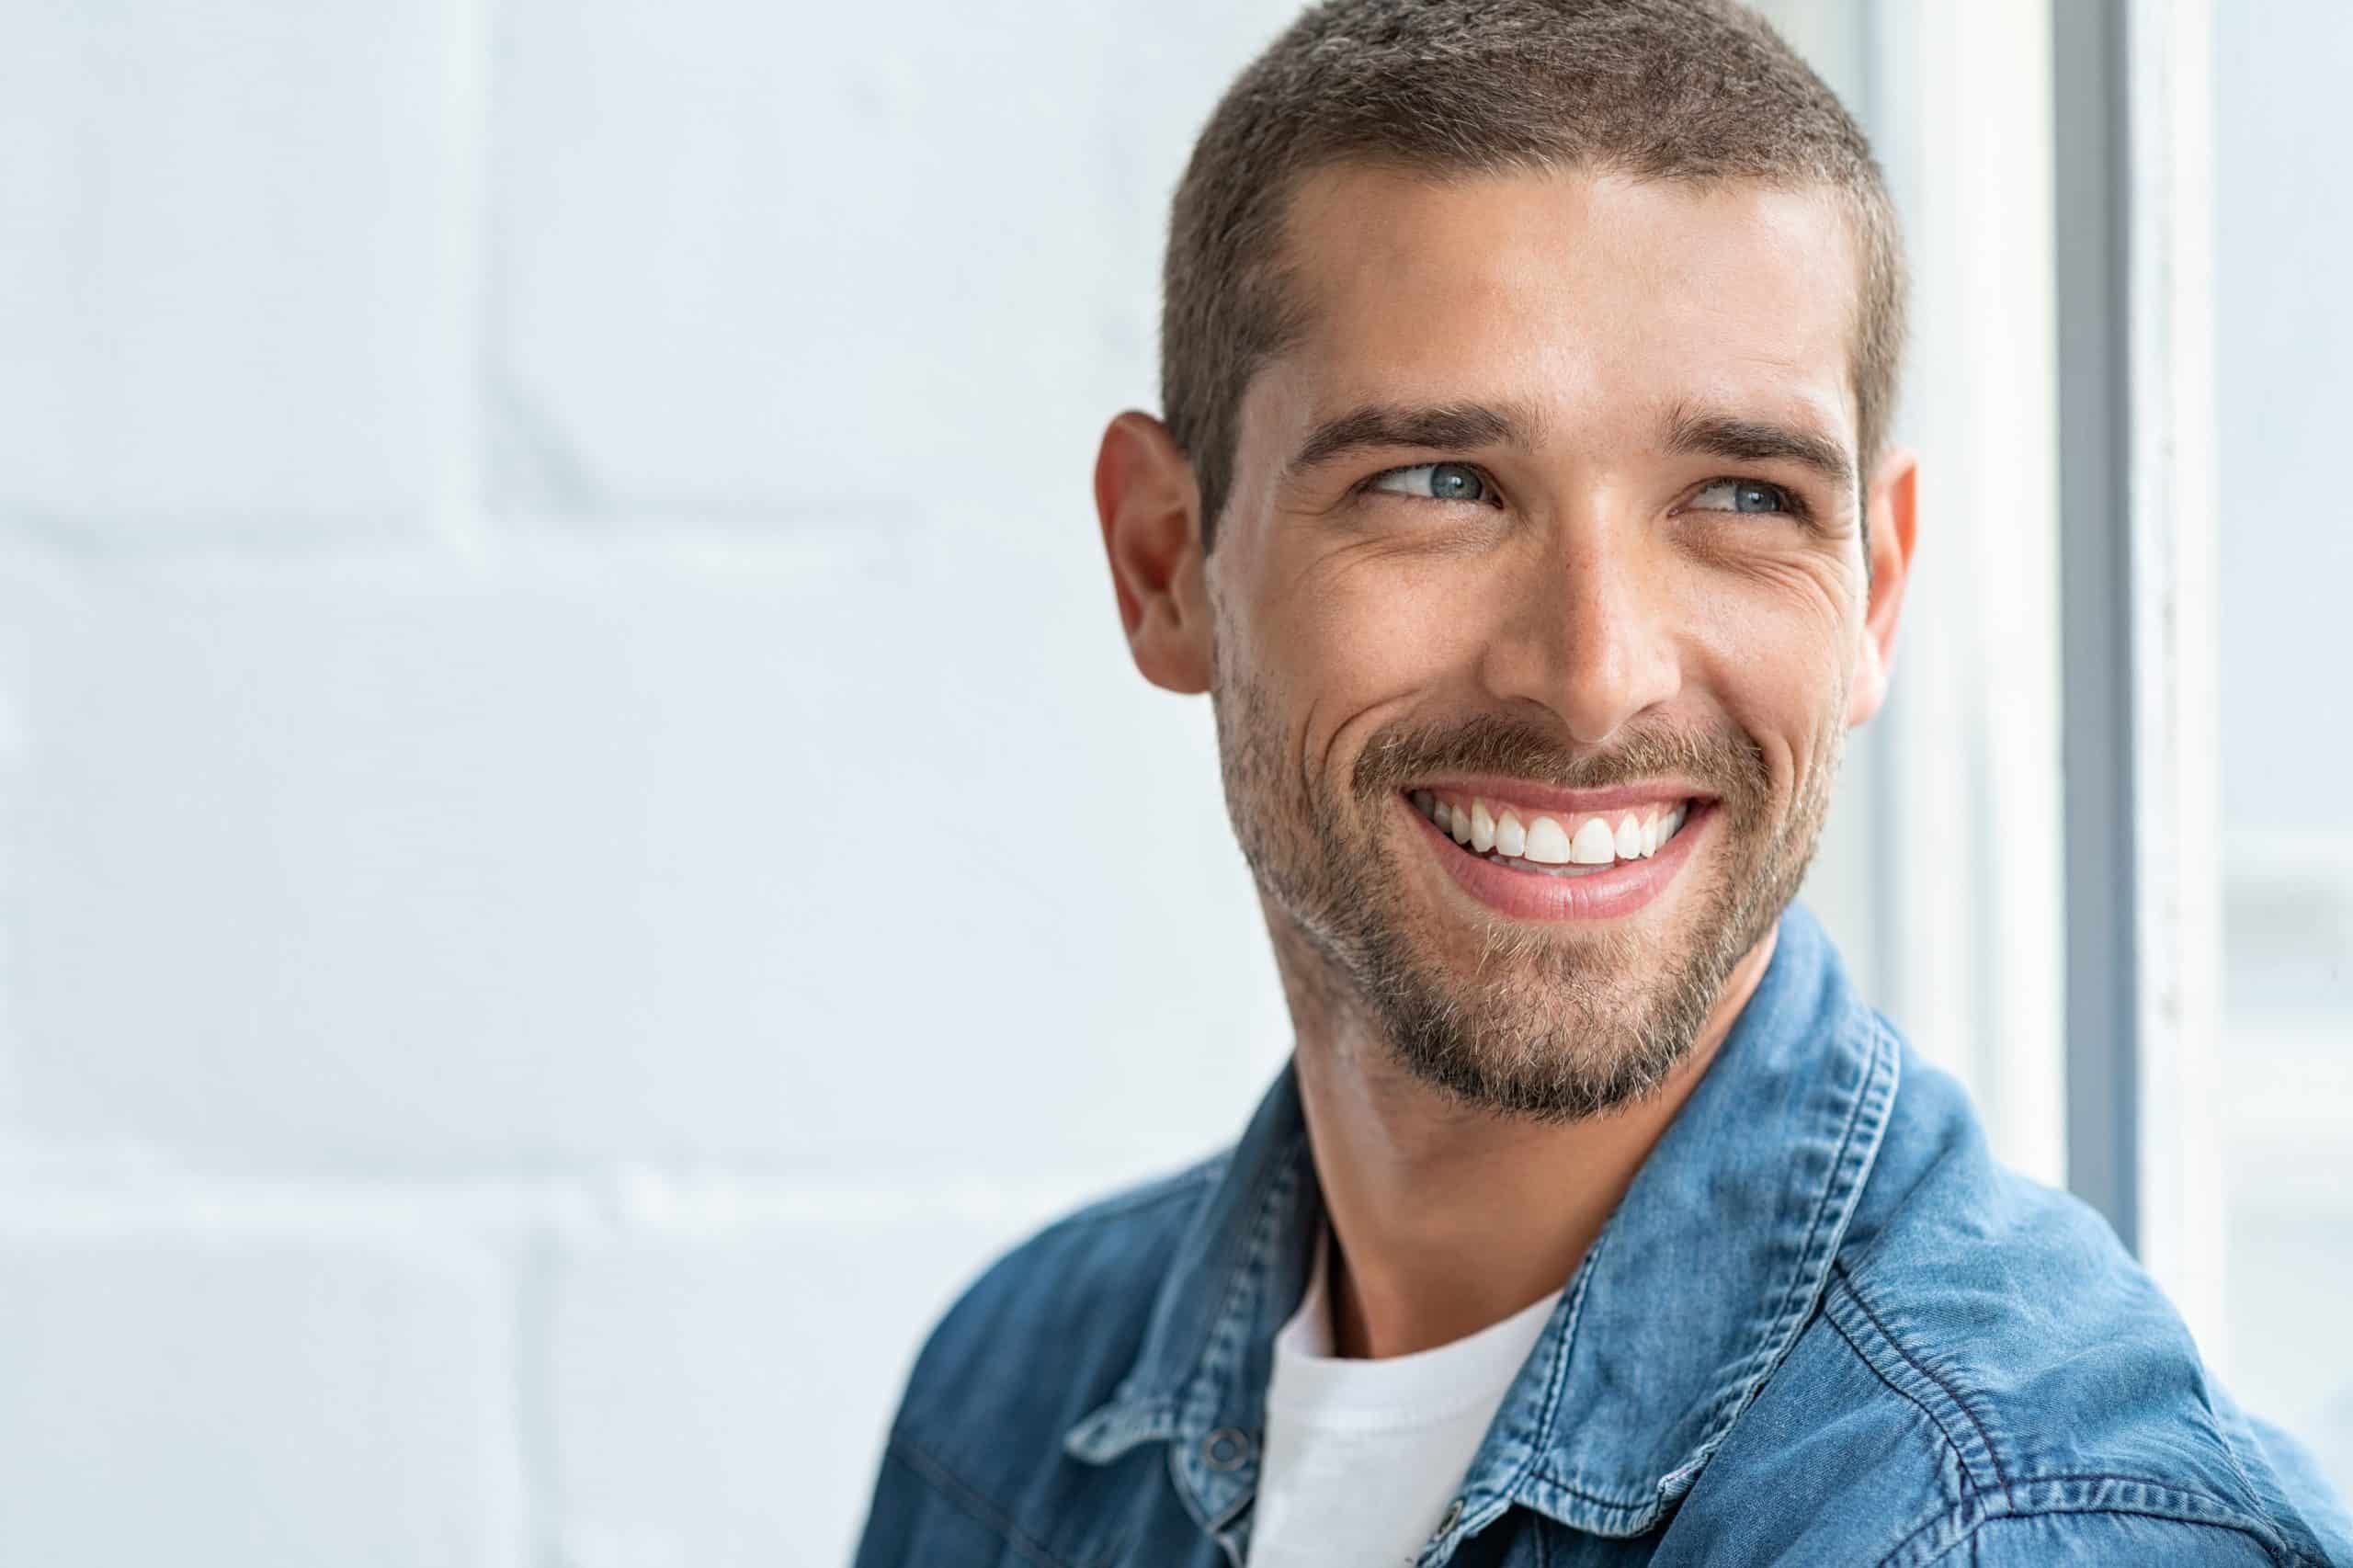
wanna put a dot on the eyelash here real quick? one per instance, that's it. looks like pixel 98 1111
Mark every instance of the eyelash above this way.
pixel 1792 503
pixel 1494 492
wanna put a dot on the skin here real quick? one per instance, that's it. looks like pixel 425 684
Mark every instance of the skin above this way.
pixel 1610 612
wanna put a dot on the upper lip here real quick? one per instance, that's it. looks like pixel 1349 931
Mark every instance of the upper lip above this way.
pixel 1529 796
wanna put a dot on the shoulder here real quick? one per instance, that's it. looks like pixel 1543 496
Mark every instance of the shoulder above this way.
pixel 1044 1335
pixel 2009 1315
pixel 2010 1379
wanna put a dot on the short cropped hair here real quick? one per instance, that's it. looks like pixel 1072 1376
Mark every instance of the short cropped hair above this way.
pixel 1694 91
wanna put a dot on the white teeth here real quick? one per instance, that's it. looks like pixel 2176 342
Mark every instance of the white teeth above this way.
pixel 1481 827
pixel 1510 837
pixel 1595 846
pixel 1547 843
pixel 1630 837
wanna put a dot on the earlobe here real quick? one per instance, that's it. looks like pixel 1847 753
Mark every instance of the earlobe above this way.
pixel 1891 505
pixel 1147 502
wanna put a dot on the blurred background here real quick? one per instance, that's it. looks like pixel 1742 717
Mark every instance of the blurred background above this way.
pixel 581 845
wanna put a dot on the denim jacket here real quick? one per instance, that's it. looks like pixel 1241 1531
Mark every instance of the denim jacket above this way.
pixel 1822 1329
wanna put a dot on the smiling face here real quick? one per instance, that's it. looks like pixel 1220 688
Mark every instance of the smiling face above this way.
pixel 1538 610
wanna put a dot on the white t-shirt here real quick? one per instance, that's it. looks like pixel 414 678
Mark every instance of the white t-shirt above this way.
pixel 1362 1458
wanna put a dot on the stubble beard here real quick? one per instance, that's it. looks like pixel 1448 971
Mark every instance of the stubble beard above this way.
pixel 1555 1025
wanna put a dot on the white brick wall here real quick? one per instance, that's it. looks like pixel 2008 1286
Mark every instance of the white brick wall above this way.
pixel 579 847
pixel 720 1385
pixel 221 279
pixel 231 1389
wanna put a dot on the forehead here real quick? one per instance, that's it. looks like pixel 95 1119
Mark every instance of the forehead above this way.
pixel 1603 301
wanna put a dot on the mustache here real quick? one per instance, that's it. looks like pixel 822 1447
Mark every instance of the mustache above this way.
pixel 1728 765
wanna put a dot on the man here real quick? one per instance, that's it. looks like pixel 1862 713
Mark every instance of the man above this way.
pixel 1525 506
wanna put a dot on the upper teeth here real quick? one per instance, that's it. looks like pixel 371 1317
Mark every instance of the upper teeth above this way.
pixel 1595 839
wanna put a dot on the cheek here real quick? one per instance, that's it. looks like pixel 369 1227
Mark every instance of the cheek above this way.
pixel 1363 632
pixel 1775 658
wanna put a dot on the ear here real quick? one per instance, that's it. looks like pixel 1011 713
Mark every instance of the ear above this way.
pixel 1891 505
pixel 1150 507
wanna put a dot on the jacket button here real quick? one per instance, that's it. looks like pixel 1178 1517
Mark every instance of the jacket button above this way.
pixel 1454 1516
pixel 1228 1448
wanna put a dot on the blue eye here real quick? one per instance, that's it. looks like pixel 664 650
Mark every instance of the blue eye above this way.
pixel 1434 481
pixel 1752 495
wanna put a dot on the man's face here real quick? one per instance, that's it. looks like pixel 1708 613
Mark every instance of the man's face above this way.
pixel 1547 534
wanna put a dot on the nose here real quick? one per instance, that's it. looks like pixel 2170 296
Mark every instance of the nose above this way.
pixel 1590 633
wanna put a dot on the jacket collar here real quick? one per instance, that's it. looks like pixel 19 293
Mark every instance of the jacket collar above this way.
pixel 1689 1299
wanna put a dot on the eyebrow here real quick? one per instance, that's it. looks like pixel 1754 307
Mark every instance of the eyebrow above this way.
pixel 1757 440
pixel 1456 426
pixel 1468 425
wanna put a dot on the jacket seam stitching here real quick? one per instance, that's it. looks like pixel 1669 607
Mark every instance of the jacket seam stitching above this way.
pixel 1238 1261
pixel 2221 1429
pixel 1841 1185
pixel 1961 1458
pixel 1186 1184
pixel 1539 1466
pixel 1990 1516
pixel 946 1485
pixel 1854 1292
pixel 1726 1404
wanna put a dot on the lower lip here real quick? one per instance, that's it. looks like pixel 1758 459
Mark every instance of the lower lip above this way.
pixel 1606 894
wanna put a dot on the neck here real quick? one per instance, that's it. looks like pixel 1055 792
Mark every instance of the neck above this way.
pixel 1447 1217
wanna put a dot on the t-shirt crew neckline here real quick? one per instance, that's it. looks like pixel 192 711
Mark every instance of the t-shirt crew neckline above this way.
pixel 1362 1457
pixel 1308 1375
